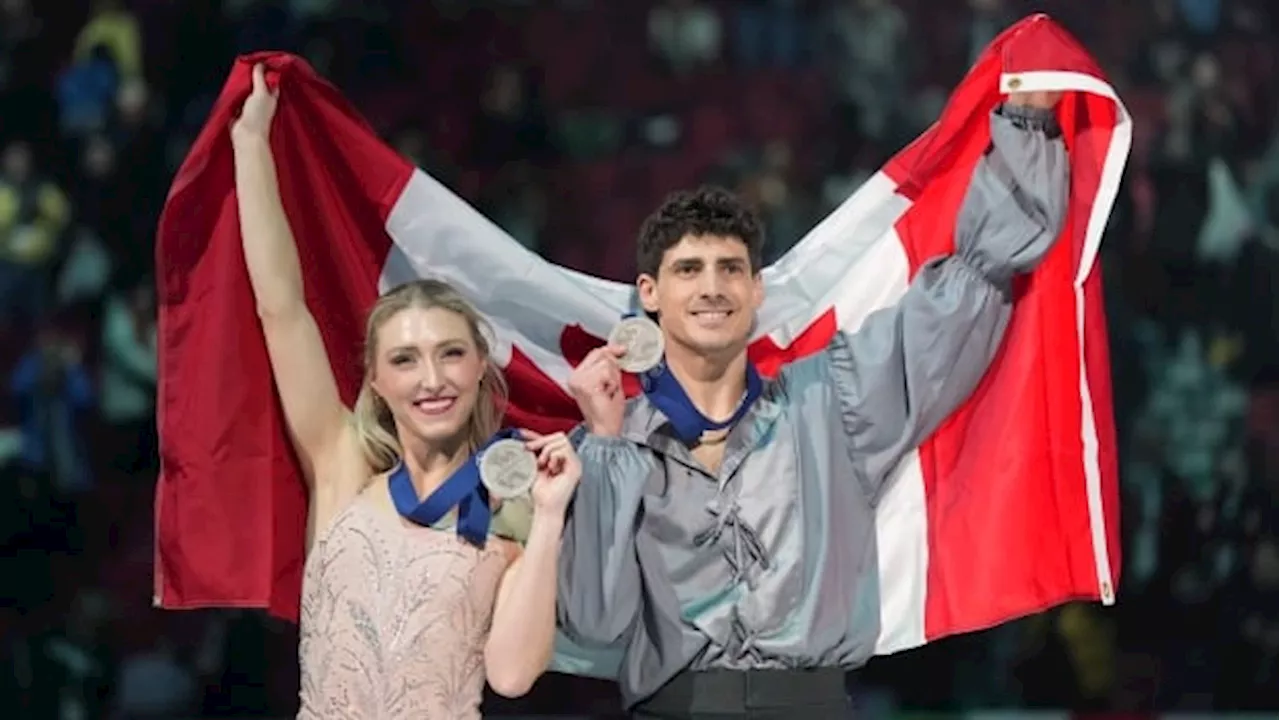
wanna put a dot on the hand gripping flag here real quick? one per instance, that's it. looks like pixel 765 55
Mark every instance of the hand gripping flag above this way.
pixel 1009 508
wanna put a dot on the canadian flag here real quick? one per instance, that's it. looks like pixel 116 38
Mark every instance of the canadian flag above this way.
pixel 1011 507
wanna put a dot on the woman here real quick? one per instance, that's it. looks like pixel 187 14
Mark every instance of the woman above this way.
pixel 400 619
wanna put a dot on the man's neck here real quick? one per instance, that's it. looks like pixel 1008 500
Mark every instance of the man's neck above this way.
pixel 714 383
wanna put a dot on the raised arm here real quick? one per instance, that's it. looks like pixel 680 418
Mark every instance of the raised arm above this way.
pixel 316 418
pixel 909 366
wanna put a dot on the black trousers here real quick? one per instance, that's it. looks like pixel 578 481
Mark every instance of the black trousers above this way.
pixel 756 694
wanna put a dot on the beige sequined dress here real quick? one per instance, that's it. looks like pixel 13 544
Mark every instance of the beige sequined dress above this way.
pixel 394 618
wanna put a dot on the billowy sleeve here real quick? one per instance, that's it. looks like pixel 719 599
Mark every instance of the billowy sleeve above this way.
pixel 909 366
pixel 600 586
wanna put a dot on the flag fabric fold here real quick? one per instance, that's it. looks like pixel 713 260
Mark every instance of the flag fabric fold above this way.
pixel 1009 508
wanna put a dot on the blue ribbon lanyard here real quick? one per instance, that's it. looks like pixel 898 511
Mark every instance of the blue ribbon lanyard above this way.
pixel 462 490
pixel 688 423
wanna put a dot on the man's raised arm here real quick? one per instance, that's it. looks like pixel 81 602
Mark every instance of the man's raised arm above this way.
pixel 910 365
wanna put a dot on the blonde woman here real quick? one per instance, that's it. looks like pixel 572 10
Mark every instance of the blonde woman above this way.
pixel 407 605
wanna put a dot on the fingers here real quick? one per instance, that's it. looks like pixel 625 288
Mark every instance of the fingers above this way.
pixel 1040 99
pixel 553 451
pixel 604 355
pixel 259 78
pixel 537 442
pixel 551 458
pixel 552 461
pixel 609 384
pixel 260 86
pixel 598 373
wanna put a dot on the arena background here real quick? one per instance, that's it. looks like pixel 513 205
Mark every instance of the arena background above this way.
pixel 567 120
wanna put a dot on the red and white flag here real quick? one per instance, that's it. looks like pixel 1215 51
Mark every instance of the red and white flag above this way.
pixel 1011 507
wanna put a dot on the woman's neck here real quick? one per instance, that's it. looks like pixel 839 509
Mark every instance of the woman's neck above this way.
pixel 714 383
pixel 430 464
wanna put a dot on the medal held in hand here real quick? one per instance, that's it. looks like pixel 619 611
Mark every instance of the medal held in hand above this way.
pixel 643 340
pixel 508 469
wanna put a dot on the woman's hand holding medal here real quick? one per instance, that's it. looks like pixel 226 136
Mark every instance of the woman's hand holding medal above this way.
pixel 559 470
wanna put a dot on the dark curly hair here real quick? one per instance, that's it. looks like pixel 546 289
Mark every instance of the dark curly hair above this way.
pixel 708 210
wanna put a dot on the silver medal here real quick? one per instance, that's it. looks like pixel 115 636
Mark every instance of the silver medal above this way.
pixel 643 340
pixel 508 469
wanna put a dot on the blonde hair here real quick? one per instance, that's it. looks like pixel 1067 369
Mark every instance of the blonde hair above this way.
pixel 375 427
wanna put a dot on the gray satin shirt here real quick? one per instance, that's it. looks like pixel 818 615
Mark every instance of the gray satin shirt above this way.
pixel 771 561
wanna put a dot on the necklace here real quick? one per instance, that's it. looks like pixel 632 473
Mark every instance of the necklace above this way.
pixel 713 437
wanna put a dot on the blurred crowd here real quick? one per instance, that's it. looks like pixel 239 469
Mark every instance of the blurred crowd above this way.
pixel 566 122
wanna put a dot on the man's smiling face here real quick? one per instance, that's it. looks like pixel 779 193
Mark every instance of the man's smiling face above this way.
pixel 706 294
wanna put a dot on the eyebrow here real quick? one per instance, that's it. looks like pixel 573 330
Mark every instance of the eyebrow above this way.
pixel 699 262
pixel 414 348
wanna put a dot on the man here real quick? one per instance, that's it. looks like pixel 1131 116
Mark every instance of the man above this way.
pixel 725 533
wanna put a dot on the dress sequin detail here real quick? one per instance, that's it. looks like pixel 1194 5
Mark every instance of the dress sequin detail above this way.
pixel 394 619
